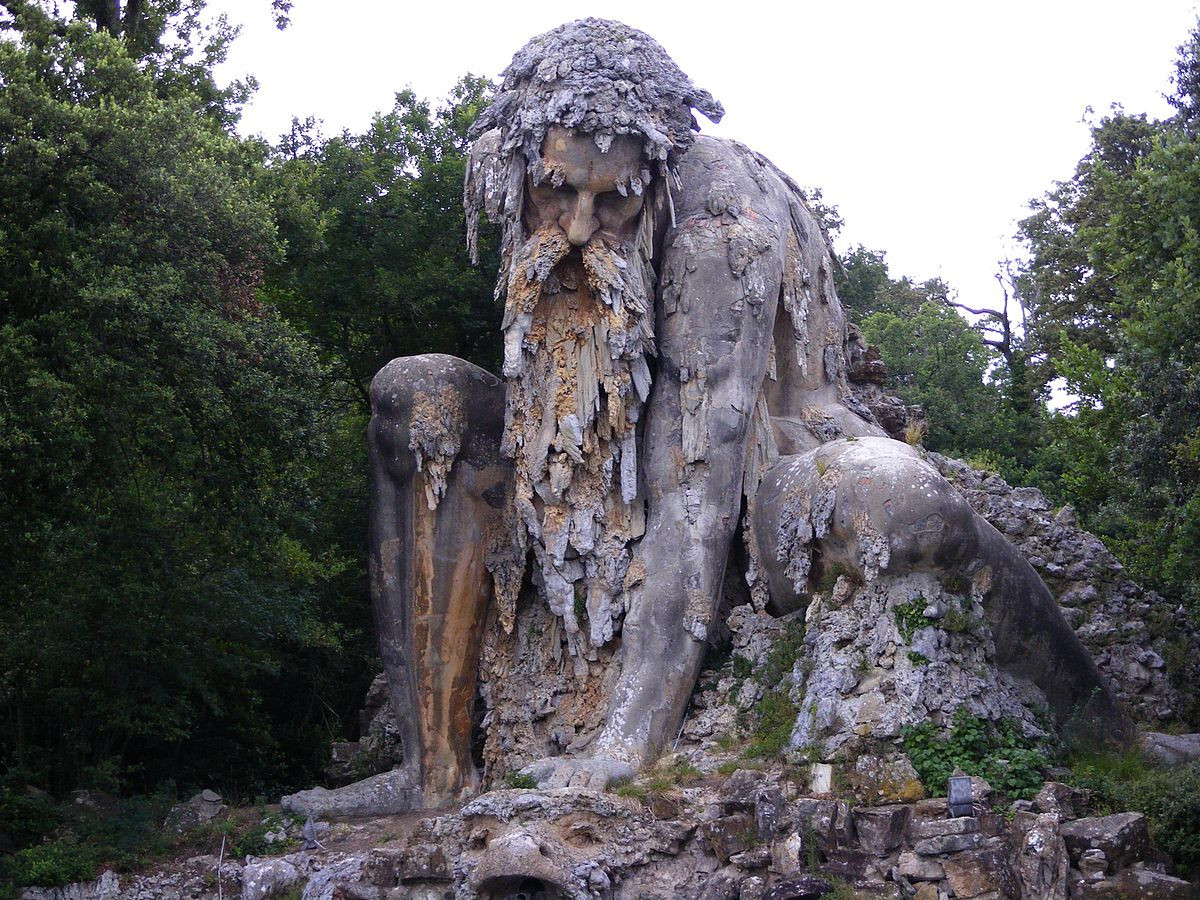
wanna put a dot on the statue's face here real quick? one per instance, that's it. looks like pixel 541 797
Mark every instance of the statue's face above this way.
pixel 587 202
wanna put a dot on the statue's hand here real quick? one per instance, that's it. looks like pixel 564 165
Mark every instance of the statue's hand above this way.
pixel 594 774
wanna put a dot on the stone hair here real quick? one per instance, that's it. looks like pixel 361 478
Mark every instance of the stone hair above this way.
pixel 596 76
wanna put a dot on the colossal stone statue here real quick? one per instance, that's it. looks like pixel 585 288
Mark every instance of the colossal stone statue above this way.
pixel 674 403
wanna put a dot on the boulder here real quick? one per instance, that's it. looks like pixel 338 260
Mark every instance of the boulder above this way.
pixel 729 835
pixel 935 828
pixel 203 807
pixel 1171 749
pixel 106 887
pixel 881 828
pixel 724 884
pixel 1123 837
pixel 265 877
pixel 1093 865
pixel 950 843
pixel 816 817
pixel 1135 883
pixel 1060 799
pixel 917 868
pixel 980 872
pixel 1041 863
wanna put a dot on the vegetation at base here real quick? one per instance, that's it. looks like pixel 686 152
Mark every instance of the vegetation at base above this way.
pixel 910 617
pixel 1170 798
pixel 999 753
pixel 775 717
pixel 519 780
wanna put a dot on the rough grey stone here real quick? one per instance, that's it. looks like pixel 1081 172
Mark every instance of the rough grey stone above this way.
pixel 1171 749
pixel 915 867
pixel 1041 862
pixel 949 843
pixel 1123 837
pixel 265 877
pixel 880 829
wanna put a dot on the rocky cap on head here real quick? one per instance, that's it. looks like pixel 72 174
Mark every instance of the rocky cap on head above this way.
pixel 596 76
pixel 599 77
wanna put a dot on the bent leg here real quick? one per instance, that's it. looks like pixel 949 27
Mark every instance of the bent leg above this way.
pixel 874 506
pixel 441 533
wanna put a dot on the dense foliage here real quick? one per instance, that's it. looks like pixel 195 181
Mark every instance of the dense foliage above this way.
pixel 1113 289
pixel 376 265
pixel 1010 762
pixel 188 321
pixel 159 438
pixel 1169 797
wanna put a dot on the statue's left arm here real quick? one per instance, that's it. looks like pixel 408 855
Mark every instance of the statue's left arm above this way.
pixel 720 279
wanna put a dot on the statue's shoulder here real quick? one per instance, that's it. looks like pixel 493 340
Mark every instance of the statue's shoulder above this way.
pixel 717 154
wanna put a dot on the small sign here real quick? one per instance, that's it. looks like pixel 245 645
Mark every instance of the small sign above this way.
pixel 958 793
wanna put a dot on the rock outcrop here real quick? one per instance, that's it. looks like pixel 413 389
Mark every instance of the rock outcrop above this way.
pixel 1146 647
pixel 748 835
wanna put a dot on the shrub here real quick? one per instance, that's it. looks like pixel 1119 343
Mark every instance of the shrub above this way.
pixel 52 864
pixel 1001 754
pixel 776 718
pixel 1170 798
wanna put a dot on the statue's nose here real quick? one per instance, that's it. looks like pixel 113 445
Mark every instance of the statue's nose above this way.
pixel 579 222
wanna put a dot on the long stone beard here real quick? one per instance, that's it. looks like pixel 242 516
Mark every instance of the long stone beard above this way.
pixel 576 333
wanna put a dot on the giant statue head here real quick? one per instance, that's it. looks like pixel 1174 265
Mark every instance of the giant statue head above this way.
pixel 576 161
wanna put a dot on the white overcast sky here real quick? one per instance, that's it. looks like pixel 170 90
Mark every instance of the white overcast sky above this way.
pixel 929 124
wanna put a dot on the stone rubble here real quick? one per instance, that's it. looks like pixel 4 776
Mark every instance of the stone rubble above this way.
pixel 748 835
pixel 1147 648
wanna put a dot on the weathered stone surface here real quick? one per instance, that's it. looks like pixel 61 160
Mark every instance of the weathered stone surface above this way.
pixel 1061 800
pixel 980 873
pixel 754 858
pixel 1136 883
pixel 377 750
pixel 934 828
pixel 799 887
pixel 722 885
pixel 201 808
pixel 106 887
pixel 1093 865
pixel 950 843
pixel 1041 862
pixel 1123 837
pixel 379 795
pixel 915 867
pixel 629 494
pixel 1171 749
pixel 816 817
pixel 265 877
pixel 729 835
pixel 880 829
pixel 1114 617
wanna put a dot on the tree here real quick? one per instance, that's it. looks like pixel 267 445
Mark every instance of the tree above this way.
pixel 1114 277
pixel 376 265
pixel 936 360
pixel 159 436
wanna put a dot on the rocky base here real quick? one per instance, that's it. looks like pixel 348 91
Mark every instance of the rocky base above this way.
pixel 751 835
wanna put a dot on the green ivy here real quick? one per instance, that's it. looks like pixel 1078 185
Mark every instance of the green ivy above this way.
pixel 910 616
pixel 999 753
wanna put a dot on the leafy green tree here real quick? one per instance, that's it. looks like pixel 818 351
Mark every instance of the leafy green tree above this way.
pixel 935 359
pixel 160 437
pixel 1114 278
pixel 376 265
pixel 865 286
